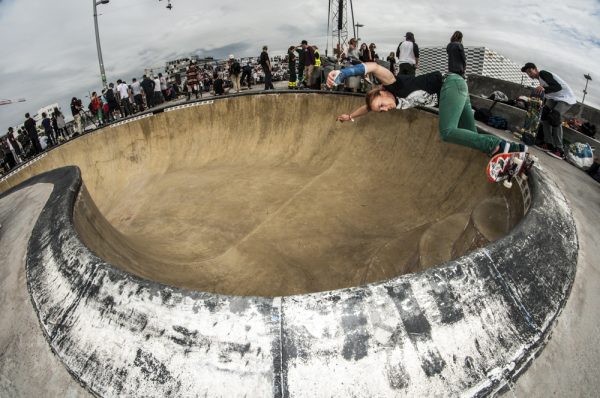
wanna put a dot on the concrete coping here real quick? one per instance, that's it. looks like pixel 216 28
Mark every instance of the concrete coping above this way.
pixel 467 327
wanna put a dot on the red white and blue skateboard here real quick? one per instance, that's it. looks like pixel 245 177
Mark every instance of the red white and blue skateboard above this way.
pixel 503 167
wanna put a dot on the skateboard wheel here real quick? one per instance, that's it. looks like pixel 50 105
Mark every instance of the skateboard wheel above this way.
pixel 507 184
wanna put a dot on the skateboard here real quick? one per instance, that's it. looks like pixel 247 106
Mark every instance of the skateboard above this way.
pixel 505 166
pixel 532 119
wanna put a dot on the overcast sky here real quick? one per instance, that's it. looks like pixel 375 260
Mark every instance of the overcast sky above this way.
pixel 49 53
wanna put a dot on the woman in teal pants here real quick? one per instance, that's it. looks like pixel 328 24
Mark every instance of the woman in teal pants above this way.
pixel 456 121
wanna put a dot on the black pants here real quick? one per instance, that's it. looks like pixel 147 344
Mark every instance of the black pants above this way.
pixel 126 106
pixel 158 98
pixel 268 83
pixel 139 102
pixel 407 69
pixel 246 75
pixel 300 73
pixel 149 98
pixel 51 137
pixel 35 141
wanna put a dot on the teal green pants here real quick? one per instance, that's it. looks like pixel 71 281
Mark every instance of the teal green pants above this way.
pixel 457 124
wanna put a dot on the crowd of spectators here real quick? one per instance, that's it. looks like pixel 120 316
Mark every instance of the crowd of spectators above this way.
pixel 301 67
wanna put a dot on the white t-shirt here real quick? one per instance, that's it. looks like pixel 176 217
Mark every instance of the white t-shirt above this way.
pixel 163 83
pixel 565 95
pixel 122 88
pixel 157 84
pixel 407 55
pixel 136 88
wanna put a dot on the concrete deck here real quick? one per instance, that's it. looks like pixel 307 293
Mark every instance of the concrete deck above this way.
pixel 297 342
pixel 569 365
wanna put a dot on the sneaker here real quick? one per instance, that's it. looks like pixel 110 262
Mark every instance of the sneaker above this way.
pixel 507 147
pixel 503 147
pixel 556 154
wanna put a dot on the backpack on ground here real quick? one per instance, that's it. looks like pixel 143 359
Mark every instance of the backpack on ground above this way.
pixel 482 115
pixel 580 155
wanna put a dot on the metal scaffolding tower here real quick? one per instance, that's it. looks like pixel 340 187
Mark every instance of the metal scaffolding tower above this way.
pixel 337 25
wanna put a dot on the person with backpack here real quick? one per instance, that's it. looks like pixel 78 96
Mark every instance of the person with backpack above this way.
pixel 235 70
pixel 96 108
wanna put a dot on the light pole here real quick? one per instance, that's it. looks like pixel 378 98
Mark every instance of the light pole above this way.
pixel 102 73
pixel 358 25
pixel 587 80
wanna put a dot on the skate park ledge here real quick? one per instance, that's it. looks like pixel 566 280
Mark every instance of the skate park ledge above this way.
pixel 467 327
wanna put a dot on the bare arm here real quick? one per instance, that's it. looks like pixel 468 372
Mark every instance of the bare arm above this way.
pixel 382 74
pixel 354 114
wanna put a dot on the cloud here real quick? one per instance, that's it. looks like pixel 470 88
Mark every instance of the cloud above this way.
pixel 49 52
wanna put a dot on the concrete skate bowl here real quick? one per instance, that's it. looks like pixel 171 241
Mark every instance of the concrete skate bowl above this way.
pixel 251 245
pixel 269 196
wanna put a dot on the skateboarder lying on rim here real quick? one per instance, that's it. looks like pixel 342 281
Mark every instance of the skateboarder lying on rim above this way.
pixel 456 121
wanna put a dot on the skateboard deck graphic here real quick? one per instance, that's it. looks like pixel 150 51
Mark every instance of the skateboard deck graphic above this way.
pixel 504 166
pixel 532 118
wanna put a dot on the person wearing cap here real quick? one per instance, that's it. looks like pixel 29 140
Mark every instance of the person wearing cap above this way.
pixel 559 98
pixel 235 69
pixel 456 121
pixel 408 55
